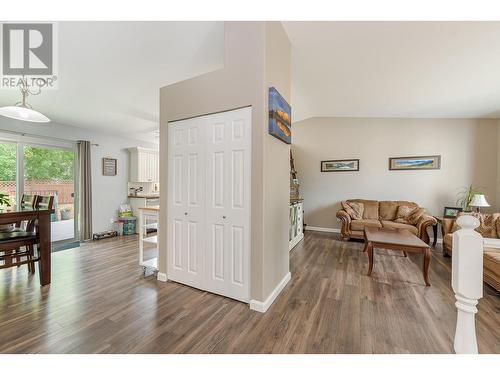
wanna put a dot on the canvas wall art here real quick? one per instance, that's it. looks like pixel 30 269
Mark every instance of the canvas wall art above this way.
pixel 280 117
pixel 415 162
pixel 348 165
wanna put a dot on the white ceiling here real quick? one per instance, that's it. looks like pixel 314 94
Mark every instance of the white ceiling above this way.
pixel 110 72
pixel 395 69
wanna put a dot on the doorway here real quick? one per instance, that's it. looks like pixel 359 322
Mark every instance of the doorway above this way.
pixel 43 169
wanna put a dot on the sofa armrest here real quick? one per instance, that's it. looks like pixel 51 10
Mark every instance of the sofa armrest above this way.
pixel 423 223
pixel 447 225
pixel 343 216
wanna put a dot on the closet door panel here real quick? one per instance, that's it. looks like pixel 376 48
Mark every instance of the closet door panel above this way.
pixel 209 203
pixel 186 229
pixel 228 203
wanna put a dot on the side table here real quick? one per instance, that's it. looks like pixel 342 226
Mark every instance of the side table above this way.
pixel 439 220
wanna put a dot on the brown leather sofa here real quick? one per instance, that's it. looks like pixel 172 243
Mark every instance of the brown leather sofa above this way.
pixel 491 256
pixel 381 214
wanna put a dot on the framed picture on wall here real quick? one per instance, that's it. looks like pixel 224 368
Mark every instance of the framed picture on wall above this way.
pixel 109 166
pixel 280 117
pixel 408 163
pixel 452 212
pixel 347 165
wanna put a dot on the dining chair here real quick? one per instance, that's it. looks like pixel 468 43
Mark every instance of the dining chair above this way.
pixel 12 242
pixel 28 200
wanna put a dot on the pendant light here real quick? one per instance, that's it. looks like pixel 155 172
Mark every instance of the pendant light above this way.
pixel 22 110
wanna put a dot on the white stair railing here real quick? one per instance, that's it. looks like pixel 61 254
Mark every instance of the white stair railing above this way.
pixel 467 282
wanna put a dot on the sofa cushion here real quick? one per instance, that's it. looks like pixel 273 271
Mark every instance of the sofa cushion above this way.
pixel 389 209
pixel 361 224
pixel 491 264
pixel 493 257
pixel 393 225
pixel 370 208
pixel 354 209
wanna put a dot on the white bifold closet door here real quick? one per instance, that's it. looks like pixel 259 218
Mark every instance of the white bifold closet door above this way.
pixel 209 203
pixel 186 201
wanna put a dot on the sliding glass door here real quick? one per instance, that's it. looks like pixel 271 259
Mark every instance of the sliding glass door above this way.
pixel 50 171
pixel 42 169
pixel 8 170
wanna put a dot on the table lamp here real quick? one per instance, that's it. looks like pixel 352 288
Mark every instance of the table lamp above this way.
pixel 478 200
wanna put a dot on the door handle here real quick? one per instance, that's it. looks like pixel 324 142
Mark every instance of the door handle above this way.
pixel 185 213
pixel 223 217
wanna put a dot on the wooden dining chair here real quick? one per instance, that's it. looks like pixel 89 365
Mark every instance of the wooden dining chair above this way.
pixel 28 201
pixel 19 244
pixel 11 244
pixel 44 202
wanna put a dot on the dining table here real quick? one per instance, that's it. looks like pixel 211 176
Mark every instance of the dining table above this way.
pixel 42 217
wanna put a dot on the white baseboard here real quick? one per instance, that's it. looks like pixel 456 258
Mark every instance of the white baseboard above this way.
pixel 320 229
pixel 263 306
pixel 161 277
pixel 295 241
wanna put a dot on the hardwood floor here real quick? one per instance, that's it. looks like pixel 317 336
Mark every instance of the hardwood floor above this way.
pixel 99 302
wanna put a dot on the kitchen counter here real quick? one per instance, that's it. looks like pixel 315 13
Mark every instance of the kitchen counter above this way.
pixel 144 196
pixel 150 208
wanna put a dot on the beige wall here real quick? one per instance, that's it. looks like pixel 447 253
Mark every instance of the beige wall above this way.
pixel 468 150
pixel 242 82
pixel 276 163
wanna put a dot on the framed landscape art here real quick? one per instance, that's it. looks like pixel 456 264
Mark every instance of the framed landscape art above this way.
pixel 452 212
pixel 280 117
pixel 415 163
pixel 347 165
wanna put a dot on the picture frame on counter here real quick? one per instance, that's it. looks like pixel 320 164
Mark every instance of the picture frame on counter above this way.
pixel 452 212
pixel 109 167
pixel 343 165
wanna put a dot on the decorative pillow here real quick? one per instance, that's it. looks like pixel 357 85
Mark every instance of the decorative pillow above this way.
pixel 402 214
pixel 415 215
pixel 354 209
pixel 409 215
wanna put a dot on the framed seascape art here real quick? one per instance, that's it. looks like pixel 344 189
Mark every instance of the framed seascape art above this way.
pixel 452 212
pixel 415 163
pixel 280 117
pixel 348 165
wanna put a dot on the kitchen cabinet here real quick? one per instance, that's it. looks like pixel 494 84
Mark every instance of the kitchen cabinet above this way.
pixel 142 201
pixel 144 165
pixel 296 233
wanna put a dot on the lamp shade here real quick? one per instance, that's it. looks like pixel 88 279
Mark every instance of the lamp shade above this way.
pixel 478 200
pixel 23 113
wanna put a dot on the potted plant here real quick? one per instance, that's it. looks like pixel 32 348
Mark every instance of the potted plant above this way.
pixel 65 213
pixel 4 201
pixel 464 197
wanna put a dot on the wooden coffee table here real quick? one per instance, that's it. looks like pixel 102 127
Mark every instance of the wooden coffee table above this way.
pixel 397 239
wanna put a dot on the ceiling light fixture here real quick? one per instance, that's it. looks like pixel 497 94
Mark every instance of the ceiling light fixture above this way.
pixel 22 110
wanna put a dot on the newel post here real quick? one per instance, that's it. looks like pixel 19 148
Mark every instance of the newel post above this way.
pixel 467 282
